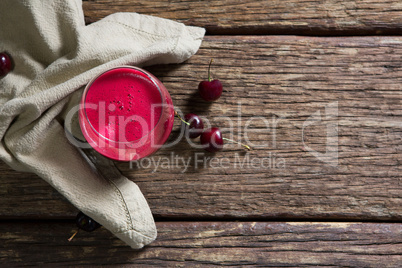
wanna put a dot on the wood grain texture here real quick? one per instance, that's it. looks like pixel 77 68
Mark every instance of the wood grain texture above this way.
pixel 276 86
pixel 277 244
pixel 331 17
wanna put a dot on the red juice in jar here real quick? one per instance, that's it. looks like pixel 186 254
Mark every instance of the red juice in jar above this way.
pixel 126 113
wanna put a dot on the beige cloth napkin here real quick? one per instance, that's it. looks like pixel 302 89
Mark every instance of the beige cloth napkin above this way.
pixel 55 54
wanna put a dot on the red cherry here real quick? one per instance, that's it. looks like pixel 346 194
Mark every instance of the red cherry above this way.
pixel 212 140
pixel 5 64
pixel 212 89
pixel 195 125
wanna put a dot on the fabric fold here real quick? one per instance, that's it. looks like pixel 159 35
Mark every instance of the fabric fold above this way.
pixel 55 55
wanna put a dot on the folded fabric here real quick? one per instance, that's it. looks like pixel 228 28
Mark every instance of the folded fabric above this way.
pixel 55 55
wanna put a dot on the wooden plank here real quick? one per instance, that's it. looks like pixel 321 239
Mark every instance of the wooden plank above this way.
pixel 25 195
pixel 275 85
pixel 287 244
pixel 331 17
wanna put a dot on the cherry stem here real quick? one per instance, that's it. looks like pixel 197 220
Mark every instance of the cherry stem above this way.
pixel 247 147
pixel 71 238
pixel 209 71
pixel 185 122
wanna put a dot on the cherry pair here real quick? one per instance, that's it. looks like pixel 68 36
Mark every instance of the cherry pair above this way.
pixel 211 139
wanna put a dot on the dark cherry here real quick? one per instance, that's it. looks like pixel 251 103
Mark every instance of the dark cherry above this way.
pixel 195 125
pixel 6 64
pixel 211 140
pixel 212 89
pixel 86 223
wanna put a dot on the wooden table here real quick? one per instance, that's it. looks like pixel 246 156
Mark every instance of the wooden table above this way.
pixel 315 87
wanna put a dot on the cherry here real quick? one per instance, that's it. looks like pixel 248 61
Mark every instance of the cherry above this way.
pixel 85 223
pixel 212 140
pixel 5 64
pixel 195 126
pixel 212 89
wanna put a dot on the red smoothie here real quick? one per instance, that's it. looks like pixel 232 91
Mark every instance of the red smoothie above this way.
pixel 126 113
